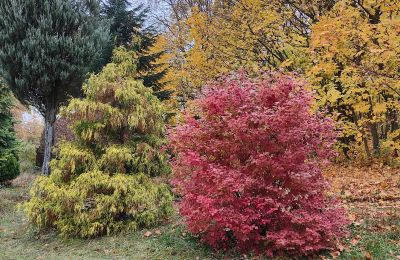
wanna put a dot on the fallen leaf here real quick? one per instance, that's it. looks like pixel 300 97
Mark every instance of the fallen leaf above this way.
pixel 340 247
pixel 148 234
pixel 352 217
pixel 335 254
pixel 355 241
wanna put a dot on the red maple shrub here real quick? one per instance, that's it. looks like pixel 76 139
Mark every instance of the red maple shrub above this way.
pixel 247 167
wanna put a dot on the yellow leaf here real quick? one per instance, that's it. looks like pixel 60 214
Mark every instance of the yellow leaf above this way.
pixel 380 108
pixel 362 107
pixel 333 95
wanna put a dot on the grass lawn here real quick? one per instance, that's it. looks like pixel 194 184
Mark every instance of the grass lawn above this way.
pixel 18 240
pixel 374 236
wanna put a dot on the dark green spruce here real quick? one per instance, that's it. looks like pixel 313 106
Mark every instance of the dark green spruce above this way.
pixel 129 29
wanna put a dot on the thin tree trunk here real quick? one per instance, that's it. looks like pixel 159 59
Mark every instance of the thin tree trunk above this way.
pixel 365 141
pixel 375 138
pixel 394 122
pixel 50 118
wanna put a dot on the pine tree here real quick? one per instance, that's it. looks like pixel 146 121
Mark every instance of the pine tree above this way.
pixel 47 47
pixel 101 181
pixel 9 166
pixel 129 30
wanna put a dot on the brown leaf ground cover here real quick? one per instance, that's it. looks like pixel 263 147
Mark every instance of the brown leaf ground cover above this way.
pixel 371 196
pixel 370 192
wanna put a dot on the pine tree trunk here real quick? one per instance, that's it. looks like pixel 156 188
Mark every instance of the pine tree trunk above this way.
pixel 50 119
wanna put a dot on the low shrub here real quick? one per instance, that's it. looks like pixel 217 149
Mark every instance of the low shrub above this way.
pixel 27 157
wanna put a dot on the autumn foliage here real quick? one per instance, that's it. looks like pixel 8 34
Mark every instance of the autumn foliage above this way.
pixel 247 166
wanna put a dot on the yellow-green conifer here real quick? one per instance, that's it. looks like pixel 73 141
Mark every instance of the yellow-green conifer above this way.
pixel 103 181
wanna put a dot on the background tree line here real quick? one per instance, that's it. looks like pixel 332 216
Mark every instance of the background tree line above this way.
pixel 347 49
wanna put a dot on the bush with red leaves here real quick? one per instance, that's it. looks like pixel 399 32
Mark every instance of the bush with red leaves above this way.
pixel 247 165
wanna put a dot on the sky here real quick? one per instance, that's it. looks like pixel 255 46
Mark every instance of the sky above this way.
pixel 157 9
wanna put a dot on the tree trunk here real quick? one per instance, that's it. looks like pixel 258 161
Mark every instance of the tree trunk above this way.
pixel 375 138
pixel 50 118
pixel 365 141
pixel 394 122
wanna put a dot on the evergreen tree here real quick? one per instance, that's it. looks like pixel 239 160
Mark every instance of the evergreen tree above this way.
pixel 129 30
pixel 9 166
pixel 47 47
pixel 101 181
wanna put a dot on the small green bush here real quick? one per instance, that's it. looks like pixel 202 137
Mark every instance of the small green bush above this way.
pixel 9 167
pixel 102 180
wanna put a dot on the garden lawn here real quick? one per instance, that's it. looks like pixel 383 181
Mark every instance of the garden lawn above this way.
pixel 18 240
pixel 375 228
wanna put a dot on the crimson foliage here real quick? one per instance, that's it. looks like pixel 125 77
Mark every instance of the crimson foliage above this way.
pixel 247 165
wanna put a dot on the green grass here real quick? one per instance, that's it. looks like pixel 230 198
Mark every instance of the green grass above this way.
pixel 377 244
pixel 18 240
pixel 23 243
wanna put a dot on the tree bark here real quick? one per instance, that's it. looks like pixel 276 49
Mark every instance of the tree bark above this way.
pixel 50 118
pixel 375 138
pixel 394 121
pixel 366 147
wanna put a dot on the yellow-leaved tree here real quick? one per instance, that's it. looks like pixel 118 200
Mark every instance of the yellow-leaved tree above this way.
pixel 210 38
pixel 356 54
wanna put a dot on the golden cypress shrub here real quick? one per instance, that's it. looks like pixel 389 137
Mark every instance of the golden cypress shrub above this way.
pixel 103 181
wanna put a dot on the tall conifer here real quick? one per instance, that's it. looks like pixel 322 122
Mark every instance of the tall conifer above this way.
pixel 47 47
pixel 129 29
